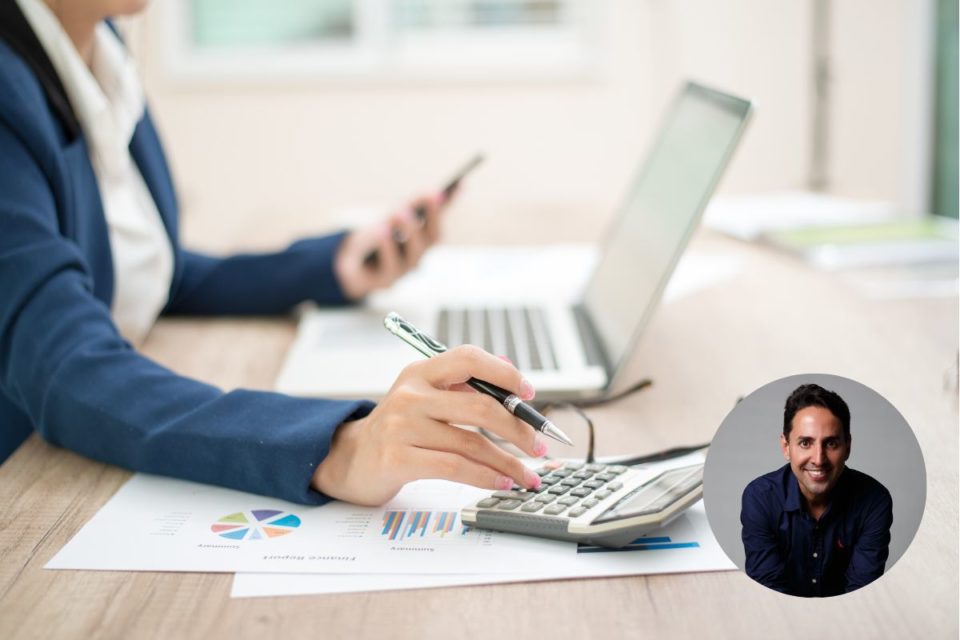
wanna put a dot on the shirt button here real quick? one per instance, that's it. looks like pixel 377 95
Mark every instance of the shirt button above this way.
pixel 814 581
pixel 814 555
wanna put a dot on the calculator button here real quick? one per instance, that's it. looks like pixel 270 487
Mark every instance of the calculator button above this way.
pixel 615 486
pixel 581 492
pixel 616 468
pixel 603 493
pixel 606 477
pixel 522 496
pixel 553 464
pixel 545 498
pixel 543 471
pixel 558 489
pixel 551 479
pixel 583 474
pixel 590 503
pixel 577 512
pixel 509 504
pixel 568 500
pixel 593 484
pixel 486 503
pixel 540 489
pixel 573 465
pixel 530 507
pixel 596 467
pixel 562 473
pixel 570 482
pixel 555 509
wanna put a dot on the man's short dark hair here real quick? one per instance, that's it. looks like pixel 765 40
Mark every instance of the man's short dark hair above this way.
pixel 813 395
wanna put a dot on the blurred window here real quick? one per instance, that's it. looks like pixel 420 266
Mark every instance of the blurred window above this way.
pixel 378 38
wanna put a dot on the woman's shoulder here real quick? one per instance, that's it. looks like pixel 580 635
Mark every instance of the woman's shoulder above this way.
pixel 25 110
pixel 19 86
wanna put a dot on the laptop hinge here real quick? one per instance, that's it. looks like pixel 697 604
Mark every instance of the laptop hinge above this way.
pixel 592 345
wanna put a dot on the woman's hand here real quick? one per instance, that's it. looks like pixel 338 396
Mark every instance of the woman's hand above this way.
pixel 411 433
pixel 359 276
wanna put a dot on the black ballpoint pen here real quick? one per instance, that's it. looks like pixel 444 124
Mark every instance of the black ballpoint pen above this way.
pixel 430 347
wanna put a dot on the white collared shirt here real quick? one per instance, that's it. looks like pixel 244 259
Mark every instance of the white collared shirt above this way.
pixel 109 102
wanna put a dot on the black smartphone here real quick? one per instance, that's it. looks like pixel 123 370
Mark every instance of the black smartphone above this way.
pixel 372 259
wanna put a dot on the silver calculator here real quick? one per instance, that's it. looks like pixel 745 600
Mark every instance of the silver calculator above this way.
pixel 602 504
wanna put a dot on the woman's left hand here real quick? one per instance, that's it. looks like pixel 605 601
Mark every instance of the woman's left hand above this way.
pixel 360 275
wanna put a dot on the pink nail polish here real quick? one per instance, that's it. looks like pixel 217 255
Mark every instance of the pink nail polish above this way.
pixel 539 447
pixel 526 390
pixel 531 479
pixel 503 483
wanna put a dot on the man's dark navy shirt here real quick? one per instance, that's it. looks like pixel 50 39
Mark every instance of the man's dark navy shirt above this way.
pixel 788 550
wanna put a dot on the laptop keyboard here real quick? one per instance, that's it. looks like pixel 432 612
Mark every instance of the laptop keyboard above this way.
pixel 520 333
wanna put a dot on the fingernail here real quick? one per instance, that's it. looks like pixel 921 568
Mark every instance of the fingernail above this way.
pixel 506 359
pixel 526 390
pixel 539 447
pixel 503 483
pixel 531 479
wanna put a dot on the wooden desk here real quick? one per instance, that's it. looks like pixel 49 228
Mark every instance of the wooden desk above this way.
pixel 703 351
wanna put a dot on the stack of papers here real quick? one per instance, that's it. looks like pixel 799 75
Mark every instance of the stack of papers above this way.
pixel 896 242
pixel 749 217
pixel 415 541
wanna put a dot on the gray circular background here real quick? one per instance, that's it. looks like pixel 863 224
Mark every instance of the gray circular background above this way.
pixel 747 445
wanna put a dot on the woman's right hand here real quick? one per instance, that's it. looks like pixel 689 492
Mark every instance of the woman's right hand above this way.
pixel 411 433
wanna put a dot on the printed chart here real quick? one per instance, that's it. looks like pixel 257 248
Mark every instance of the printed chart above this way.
pixel 642 544
pixel 256 524
pixel 401 525
pixel 162 524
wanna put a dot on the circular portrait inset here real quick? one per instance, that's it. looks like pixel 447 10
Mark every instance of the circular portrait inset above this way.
pixel 814 485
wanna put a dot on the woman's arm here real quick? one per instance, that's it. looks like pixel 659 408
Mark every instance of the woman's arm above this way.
pixel 257 284
pixel 82 387
pixel 328 270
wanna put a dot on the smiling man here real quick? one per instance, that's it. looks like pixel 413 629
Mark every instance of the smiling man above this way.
pixel 816 527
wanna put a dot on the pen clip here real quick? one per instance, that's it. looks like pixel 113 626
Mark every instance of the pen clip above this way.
pixel 420 341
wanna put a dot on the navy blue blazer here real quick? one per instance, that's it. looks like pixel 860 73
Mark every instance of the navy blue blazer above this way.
pixel 66 372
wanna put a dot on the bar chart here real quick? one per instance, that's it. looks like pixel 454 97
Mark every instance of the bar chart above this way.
pixel 406 525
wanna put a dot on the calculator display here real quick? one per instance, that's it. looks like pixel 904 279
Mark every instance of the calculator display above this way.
pixel 656 495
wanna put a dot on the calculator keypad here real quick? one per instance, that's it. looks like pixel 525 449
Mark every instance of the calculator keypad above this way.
pixel 570 489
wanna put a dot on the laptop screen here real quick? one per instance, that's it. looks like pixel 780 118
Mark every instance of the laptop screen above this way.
pixel 659 215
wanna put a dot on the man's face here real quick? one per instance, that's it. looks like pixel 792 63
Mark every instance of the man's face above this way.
pixel 817 451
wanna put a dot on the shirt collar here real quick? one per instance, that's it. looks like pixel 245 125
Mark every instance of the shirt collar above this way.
pixel 793 501
pixel 107 97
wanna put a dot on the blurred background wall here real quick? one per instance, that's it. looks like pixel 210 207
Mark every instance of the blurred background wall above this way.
pixel 246 146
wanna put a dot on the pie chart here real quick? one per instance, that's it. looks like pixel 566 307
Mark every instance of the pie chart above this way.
pixel 257 524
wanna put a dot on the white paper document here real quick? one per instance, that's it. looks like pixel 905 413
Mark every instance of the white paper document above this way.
pixel 749 216
pixel 686 545
pixel 161 524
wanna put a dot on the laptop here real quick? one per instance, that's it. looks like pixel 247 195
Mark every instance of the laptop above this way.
pixel 573 333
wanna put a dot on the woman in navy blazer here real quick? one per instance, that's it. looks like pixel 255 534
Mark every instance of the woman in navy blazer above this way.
pixel 66 372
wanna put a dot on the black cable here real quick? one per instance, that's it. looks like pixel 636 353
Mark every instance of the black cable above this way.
pixel 660 456
pixel 579 406
pixel 599 402
pixel 590 429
